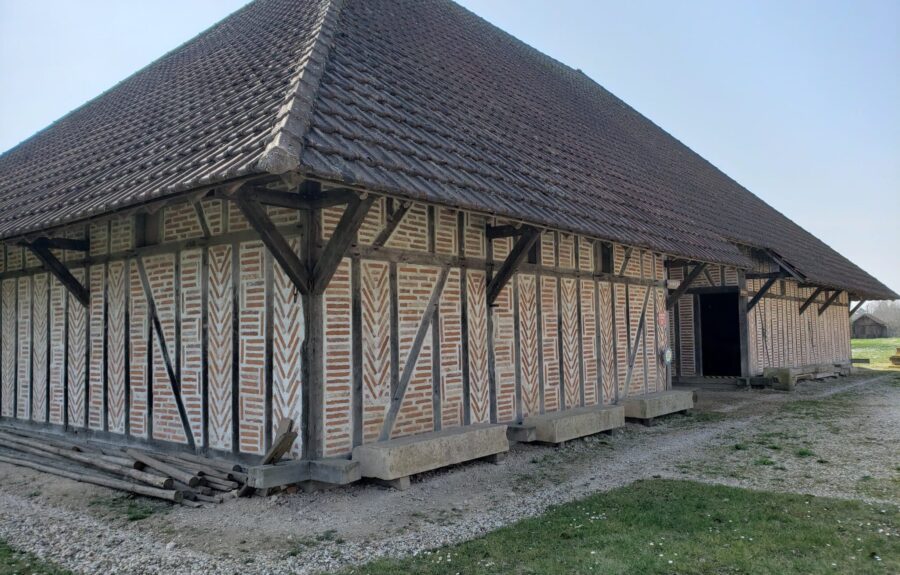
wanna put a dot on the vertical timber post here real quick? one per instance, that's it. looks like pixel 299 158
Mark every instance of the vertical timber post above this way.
pixel 313 361
pixel 743 330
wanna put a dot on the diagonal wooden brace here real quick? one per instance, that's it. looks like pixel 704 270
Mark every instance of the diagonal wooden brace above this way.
pixel 810 300
pixel 685 284
pixel 762 292
pixel 512 262
pixel 62 273
pixel 831 299
pixel 410 365
pixel 341 238
pixel 174 383
pixel 281 250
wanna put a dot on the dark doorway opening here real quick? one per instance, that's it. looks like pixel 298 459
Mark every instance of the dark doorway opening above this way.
pixel 720 337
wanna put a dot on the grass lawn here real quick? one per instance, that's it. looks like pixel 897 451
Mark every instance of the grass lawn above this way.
pixel 876 350
pixel 14 562
pixel 684 527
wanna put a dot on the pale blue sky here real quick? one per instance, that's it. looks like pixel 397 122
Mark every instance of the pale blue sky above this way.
pixel 797 100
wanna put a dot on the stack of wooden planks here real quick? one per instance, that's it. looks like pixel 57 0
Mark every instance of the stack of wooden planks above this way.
pixel 185 478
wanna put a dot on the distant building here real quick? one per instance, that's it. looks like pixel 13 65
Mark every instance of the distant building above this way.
pixel 868 326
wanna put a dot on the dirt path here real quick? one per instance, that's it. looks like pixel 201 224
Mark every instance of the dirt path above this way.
pixel 837 438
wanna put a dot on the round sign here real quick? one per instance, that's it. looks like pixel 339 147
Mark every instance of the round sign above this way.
pixel 667 355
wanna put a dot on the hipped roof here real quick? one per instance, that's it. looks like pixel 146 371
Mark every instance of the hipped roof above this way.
pixel 421 99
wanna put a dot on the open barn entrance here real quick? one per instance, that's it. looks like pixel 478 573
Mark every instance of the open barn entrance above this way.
pixel 720 338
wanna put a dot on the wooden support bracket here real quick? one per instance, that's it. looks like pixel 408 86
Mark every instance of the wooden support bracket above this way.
pixel 516 256
pixel 281 250
pixel 810 300
pixel 685 284
pixel 831 299
pixel 341 238
pixel 762 292
pixel 637 338
pixel 858 305
pixel 41 250
pixel 393 221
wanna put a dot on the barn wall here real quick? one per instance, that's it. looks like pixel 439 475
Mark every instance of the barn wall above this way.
pixel 778 336
pixel 232 325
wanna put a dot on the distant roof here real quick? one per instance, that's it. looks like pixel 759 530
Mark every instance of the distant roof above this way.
pixel 419 99
pixel 869 316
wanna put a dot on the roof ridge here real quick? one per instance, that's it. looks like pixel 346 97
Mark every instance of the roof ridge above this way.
pixel 282 153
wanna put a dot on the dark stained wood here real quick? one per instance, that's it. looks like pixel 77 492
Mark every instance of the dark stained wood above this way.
pixel 811 299
pixel 341 238
pixel 858 305
pixel 761 293
pixel 684 285
pixel 828 302
pixel 61 272
pixel 504 231
pixel 516 256
pixel 393 220
pixel 174 382
pixel 274 240
pixel 303 200
pixel 409 367
pixel 70 244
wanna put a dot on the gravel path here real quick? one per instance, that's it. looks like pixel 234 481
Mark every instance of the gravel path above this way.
pixel 70 524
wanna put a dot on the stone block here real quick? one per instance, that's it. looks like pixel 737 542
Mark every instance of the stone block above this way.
pixel 652 405
pixel 562 426
pixel 405 456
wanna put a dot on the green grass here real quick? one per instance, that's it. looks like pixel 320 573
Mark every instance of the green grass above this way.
pixel 129 507
pixel 13 562
pixel 878 351
pixel 667 527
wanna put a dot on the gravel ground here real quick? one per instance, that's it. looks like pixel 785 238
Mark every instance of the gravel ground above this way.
pixel 850 428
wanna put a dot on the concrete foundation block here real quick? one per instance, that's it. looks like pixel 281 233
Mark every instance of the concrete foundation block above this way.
pixel 561 426
pixel 657 404
pixel 405 456
pixel 520 433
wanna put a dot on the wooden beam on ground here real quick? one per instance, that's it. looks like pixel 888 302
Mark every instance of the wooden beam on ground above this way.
pixel 413 357
pixel 174 382
pixel 516 256
pixel 342 237
pixel 684 285
pixel 275 242
pixel 762 292
pixel 831 299
pixel 811 299
pixel 858 305
pixel 61 272
pixel 390 226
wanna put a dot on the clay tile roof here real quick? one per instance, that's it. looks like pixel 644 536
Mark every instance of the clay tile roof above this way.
pixel 420 99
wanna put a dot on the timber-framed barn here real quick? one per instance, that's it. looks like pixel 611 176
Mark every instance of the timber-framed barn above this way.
pixel 400 227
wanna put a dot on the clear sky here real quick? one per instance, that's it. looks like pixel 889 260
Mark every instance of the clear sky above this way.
pixel 797 100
